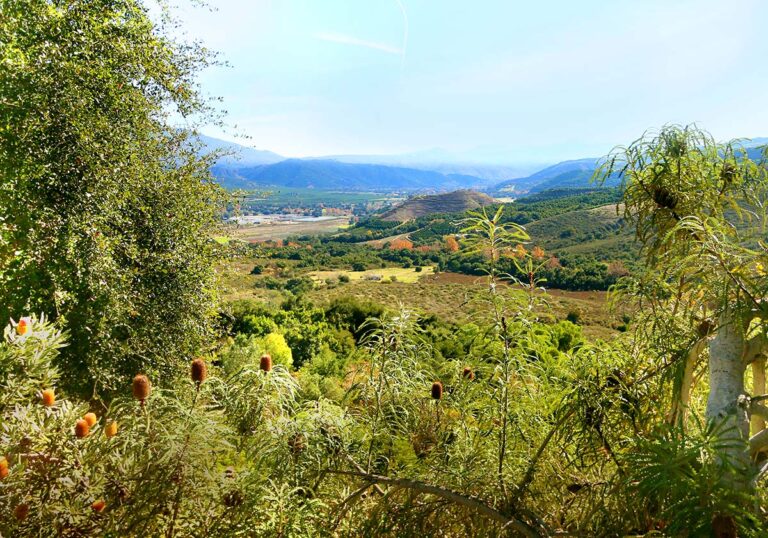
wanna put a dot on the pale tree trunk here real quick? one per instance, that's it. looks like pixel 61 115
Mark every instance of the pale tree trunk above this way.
pixel 726 385
pixel 758 388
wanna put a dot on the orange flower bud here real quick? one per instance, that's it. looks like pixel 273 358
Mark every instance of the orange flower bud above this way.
pixel 22 327
pixel 91 419
pixel 437 390
pixel 49 397
pixel 199 371
pixel 111 429
pixel 82 428
pixel 141 387
pixel 266 362
pixel 98 506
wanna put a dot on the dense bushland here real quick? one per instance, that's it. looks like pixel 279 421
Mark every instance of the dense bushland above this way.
pixel 346 420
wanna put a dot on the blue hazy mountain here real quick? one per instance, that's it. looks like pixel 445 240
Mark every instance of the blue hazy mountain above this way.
pixel 324 174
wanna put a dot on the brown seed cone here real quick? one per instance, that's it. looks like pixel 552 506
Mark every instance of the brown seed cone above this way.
pixel 437 390
pixel 199 371
pixel 468 373
pixel 297 444
pixel 82 428
pixel 91 419
pixel 141 387
pixel 233 498
pixel 98 506
pixel 49 397
pixel 21 512
pixel 266 362
pixel 111 429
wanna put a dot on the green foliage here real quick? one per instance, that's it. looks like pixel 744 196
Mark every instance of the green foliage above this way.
pixel 106 207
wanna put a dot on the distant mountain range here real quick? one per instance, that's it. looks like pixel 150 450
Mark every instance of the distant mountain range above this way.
pixel 431 171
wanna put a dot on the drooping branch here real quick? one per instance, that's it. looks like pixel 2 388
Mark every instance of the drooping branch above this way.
pixel 757 418
pixel 680 405
pixel 758 442
pixel 472 503
pixel 754 349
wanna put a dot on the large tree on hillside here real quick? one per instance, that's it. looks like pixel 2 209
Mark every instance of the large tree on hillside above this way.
pixel 699 210
pixel 105 206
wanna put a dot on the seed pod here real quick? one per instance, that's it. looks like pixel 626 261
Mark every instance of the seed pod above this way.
pixel 111 429
pixel 266 362
pixel 468 373
pixel 82 429
pixel 22 327
pixel 233 498
pixel 297 444
pixel 705 328
pixel 437 390
pixel 91 419
pixel 21 512
pixel 199 371
pixel 663 197
pixel 141 387
pixel 98 506
pixel 49 397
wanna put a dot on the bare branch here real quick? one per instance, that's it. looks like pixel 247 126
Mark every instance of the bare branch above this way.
pixel 456 498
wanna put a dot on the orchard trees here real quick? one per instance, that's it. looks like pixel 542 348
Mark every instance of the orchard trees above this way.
pixel 104 201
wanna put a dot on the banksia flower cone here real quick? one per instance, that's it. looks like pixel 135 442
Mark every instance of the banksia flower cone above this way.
pixel 3 467
pixel 266 362
pixel 22 327
pixel 82 429
pixel 21 512
pixel 91 419
pixel 98 506
pixel 111 429
pixel 199 371
pixel 141 387
pixel 468 374
pixel 437 390
pixel 49 397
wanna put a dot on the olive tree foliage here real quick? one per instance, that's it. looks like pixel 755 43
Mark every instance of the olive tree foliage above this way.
pixel 105 203
pixel 699 210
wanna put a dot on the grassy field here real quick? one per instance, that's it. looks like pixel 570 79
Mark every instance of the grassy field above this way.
pixel 408 276
pixel 283 230
pixel 458 298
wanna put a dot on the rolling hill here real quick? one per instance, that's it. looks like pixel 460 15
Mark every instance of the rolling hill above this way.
pixel 451 202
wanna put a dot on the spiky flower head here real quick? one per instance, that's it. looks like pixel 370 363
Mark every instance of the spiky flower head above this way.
pixel 3 467
pixel 266 362
pixel 91 419
pixel 48 397
pixel 437 390
pixel 141 387
pixel 21 511
pixel 199 371
pixel 22 327
pixel 111 429
pixel 82 429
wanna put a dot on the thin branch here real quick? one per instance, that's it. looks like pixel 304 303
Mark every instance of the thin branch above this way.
pixel 456 498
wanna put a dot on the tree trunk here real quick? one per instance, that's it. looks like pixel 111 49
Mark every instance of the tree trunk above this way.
pixel 726 382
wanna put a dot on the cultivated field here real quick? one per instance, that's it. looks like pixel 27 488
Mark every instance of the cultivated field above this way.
pixel 282 230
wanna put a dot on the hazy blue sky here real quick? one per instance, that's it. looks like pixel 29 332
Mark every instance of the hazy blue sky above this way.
pixel 532 80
